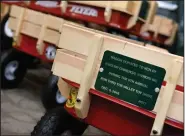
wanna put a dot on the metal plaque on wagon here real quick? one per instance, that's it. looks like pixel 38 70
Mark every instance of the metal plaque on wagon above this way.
pixel 130 80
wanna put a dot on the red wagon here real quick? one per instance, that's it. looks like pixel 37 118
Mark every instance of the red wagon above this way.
pixel 123 90
pixel 118 17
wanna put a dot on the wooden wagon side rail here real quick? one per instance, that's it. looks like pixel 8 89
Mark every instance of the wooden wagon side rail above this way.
pixel 74 58
pixel 81 54
pixel 130 7
pixel 45 28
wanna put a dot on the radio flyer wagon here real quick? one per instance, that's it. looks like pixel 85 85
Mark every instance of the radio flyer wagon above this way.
pixel 115 85
pixel 34 37
pixel 117 17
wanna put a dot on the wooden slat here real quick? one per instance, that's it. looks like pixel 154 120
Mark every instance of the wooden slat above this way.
pixel 108 11
pixel 81 38
pixel 150 16
pixel 154 27
pixel 79 44
pixel 166 27
pixel 73 67
pixel 64 88
pixel 51 36
pixel 82 106
pixel 40 42
pixel 63 6
pixel 30 29
pixel 12 23
pixel 37 17
pixel 171 39
pixel 176 107
pixel 132 21
pixel 156 48
pixel 34 17
pixel 19 26
pixel 131 6
pixel 151 12
pixel 162 25
pixel 33 30
pixel 162 59
pixel 54 22
pixel 15 11
pixel 172 77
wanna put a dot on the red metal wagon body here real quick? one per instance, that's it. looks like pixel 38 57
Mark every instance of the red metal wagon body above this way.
pixel 129 21
pixel 79 54
pixel 120 118
pixel 108 111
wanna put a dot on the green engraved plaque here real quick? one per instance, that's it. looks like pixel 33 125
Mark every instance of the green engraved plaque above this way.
pixel 130 80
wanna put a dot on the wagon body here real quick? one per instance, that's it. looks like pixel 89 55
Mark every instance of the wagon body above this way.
pixel 113 117
pixel 108 112
pixel 126 16
pixel 34 31
pixel 81 52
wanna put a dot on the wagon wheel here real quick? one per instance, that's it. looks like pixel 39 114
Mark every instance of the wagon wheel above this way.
pixel 58 122
pixel 50 94
pixel 6 34
pixel 14 65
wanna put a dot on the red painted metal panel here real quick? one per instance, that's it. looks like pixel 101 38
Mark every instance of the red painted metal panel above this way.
pixel 118 120
pixel 28 45
pixel 122 104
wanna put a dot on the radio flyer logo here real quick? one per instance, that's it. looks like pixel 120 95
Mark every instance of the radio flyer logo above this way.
pixel 72 98
pixel 84 10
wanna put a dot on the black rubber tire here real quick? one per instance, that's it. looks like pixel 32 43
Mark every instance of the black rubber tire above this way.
pixel 56 122
pixel 6 42
pixel 22 60
pixel 34 64
pixel 48 93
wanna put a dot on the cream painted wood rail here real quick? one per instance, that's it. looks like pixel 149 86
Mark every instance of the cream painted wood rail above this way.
pixel 81 53
pixel 173 77
pixel 45 28
pixel 163 26
pixel 73 57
